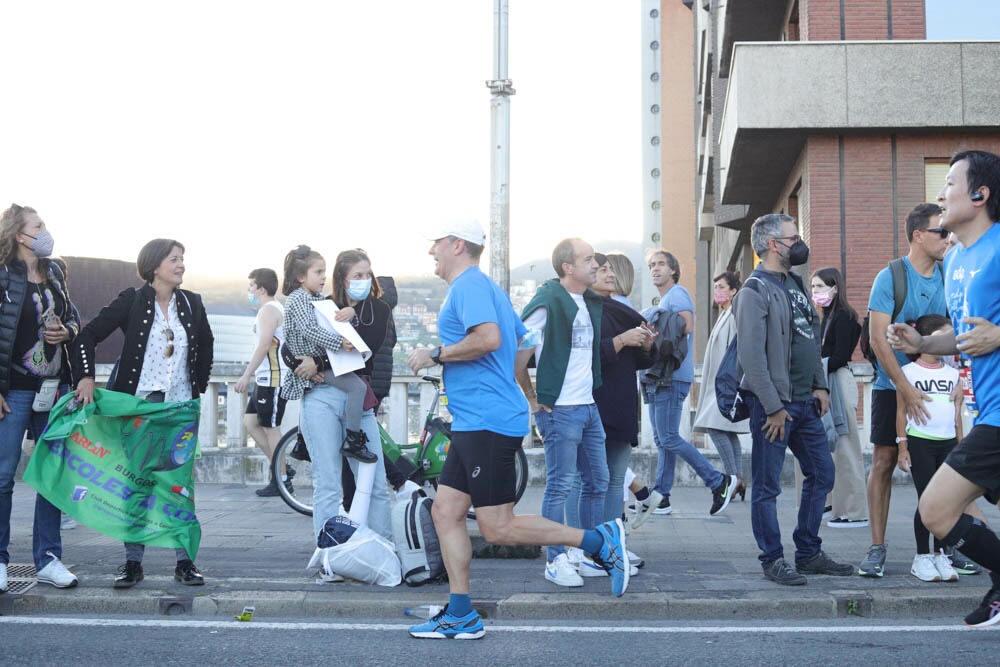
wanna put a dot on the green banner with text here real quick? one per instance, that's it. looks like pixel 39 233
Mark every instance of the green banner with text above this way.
pixel 122 466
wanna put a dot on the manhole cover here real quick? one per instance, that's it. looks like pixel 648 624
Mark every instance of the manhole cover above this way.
pixel 21 578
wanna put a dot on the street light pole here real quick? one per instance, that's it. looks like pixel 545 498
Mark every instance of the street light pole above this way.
pixel 501 88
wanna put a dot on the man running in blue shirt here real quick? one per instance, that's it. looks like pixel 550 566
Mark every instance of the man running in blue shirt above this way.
pixel 970 203
pixel 479 335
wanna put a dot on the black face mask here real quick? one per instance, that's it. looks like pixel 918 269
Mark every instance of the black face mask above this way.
pixel 798 253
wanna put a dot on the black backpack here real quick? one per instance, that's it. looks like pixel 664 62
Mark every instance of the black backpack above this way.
pixel 729 376
pixel 899 288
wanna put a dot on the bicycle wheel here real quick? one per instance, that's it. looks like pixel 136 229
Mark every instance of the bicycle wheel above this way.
pixel 520 474
pixel 297 492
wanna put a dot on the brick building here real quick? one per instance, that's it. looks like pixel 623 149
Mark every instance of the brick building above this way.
pixel 837 112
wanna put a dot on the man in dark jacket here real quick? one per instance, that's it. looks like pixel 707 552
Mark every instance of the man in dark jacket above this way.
pixel 786 394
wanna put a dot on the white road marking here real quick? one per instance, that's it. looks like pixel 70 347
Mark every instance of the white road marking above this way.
pixel 555 629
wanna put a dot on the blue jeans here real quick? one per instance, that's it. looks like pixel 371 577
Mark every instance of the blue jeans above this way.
pixel 13 426
pixel 618 454
pixel 805 436
pixel 665 407
pixel 322 423
pixel 574 441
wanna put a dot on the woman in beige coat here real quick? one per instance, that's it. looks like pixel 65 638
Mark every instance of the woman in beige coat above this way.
pixel 709 420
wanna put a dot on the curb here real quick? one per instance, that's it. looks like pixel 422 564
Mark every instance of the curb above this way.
pixel 334 602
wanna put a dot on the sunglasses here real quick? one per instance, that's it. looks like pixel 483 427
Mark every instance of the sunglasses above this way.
pixel 940 231
pixel 169 333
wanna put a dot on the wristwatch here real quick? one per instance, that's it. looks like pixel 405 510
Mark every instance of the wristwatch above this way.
pixel 900 439
pixel 436 355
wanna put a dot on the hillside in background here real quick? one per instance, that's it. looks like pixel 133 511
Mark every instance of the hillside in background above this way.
pixel 224 296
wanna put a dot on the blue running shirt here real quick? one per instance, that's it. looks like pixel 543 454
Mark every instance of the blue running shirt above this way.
pixel 924 295
pixel 482 393
pixel 972 283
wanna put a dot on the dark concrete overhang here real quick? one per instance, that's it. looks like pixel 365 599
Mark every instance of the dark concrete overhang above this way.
pixel 781 93
pixel 750 21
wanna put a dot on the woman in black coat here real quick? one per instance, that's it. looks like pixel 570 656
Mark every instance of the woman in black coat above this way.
pixel 167 356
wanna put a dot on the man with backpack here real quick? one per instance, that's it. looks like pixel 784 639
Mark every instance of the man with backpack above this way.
pixel 786 393
pixel 921 293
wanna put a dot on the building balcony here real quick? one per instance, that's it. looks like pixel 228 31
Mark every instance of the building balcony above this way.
pixel 779 93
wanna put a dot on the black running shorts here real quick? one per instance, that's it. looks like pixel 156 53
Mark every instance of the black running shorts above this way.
pixel 267 405
pixel 481 464
pixel 977 459
pixel 883 417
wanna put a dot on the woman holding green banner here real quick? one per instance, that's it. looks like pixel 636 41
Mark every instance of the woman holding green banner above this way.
pixel 156 363
pixel 37 319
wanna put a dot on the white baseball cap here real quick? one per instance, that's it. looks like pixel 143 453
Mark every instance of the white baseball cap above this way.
pixel 467 229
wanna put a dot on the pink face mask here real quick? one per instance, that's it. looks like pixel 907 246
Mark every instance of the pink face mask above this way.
pixel 823 299
pixel 721 296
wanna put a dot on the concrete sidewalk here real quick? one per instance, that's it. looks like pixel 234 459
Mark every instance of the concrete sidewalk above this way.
pixel 254 551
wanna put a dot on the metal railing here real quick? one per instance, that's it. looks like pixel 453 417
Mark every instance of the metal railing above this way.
pixel 402 412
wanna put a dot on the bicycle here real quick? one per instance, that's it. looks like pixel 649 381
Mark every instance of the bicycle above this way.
pixel 420 461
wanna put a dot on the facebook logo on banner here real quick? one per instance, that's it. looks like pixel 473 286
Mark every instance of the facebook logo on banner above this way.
pixel 79 493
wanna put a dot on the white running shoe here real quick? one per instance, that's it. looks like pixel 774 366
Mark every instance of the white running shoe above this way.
pixel 329 577
pixel 588 568
pixel 924 568
pixel 66 522
pixel 3 577
pixel 943 565
pixel 575 556
pixel 646 507
pixel 634 560
pixel 56 574
pixel 406 491
pixel 561 573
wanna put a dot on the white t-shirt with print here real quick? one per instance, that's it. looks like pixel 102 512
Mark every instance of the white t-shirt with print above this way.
pixel 578 385
pixel 937 383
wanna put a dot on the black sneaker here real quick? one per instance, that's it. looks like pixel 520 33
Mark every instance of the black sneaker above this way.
pixel 722 494
pixel 823 564
pixel 129 574
pixel 188 574
pixel 354 446
pixel 268 491
pixel 780 572
pixel 988 611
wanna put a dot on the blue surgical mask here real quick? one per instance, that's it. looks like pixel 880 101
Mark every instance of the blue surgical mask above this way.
pixel 254 301
pixel 359 289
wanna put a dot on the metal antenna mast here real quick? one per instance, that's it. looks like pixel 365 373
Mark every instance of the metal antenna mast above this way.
pixel 501 88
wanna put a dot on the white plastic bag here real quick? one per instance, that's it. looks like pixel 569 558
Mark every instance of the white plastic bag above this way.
pixel 366 557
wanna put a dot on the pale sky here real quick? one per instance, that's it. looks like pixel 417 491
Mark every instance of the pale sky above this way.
pixel 244 128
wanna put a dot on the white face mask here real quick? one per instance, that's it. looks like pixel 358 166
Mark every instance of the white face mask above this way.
pixel 359 289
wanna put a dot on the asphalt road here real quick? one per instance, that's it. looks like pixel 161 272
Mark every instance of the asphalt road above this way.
pixel 124 640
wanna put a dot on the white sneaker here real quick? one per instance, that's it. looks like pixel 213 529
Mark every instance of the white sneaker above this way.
pixel 943 565
pixel 634 560
pixel 329 577
pixel 646 507
pixel 66 522
pixel 3 577
pixel 924 568
pixel 561 573
pixel 406 491
pixel 588 568
pixel 575 556
pixel 56 574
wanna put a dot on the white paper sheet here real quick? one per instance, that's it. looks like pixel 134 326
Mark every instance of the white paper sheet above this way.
pixel 342 361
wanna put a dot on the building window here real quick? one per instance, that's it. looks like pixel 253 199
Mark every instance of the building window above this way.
pixel 935 171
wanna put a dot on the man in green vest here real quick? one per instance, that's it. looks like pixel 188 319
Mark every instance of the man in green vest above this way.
pixel 567 314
